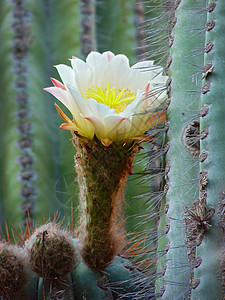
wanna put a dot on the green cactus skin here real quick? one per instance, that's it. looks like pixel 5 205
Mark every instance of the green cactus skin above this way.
pixel 120 280
pixel 116 281
pixel 42 115
pixel 209 272
pixel 193 267
pixel 49 159
pixel 9 120
pixel 49 147
pixel 183 168
pixel 50 46
pixel 43 167
pixel 116 29
pixel 139 18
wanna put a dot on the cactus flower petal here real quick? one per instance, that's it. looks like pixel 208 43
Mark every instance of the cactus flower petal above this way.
pixel 67 75
pixel 60 94
pixel 108 55
pixel 57 83
pixel 110 99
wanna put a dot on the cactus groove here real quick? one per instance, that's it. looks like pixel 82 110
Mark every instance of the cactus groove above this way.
pixel 211 249
pixel 183 167
pixel 177 241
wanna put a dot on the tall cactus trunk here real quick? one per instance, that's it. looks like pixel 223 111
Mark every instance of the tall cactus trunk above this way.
pixel 10 186
pixel 192 267
pixel 33 161
pixel 210 273
pixel 183 167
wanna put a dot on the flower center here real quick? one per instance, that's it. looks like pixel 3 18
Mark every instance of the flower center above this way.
pixel 112 97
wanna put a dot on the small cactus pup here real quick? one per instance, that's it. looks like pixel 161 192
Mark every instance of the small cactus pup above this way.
pixel 112 105
pixel 13 275
pixel 52 256
pixel 51 253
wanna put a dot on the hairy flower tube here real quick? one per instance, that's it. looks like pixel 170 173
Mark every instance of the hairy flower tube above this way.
pixel 108 98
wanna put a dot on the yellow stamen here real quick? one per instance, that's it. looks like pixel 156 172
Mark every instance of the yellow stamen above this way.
pixel 112 97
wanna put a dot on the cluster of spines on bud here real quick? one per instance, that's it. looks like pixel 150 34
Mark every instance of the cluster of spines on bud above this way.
pixel 13 273
pixel 49 264
pixel 51 253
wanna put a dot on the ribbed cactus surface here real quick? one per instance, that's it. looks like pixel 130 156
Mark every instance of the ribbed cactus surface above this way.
pixel 191 266
pixel 176 225
pixel 37 160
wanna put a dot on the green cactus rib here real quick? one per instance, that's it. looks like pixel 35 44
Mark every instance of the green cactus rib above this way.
pixel 116 29
pixel 42 116
pixel 21 42
pixel 211 249
pixel 66 30
pixel 55 40
pixel 116 281
pixel 183 167
pixel 159 14
pixel 65 43
pixel 139 18
pixel 119 280
pixel 55 289
pixel 9 151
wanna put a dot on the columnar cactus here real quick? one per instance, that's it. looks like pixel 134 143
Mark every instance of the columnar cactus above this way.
pixel 192 267
pixel 210 273
pixel 181 254
pixel 42 159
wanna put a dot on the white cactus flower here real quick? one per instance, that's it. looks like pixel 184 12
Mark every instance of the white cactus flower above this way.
pixel 110 99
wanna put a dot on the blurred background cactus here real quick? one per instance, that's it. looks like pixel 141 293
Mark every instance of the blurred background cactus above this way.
pixel 175 199
pixel 36 173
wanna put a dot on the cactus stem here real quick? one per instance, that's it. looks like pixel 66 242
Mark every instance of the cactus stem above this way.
pixel 102 173
pixel 210 247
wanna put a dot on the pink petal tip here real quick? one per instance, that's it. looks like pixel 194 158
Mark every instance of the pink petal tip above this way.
pixel 57 83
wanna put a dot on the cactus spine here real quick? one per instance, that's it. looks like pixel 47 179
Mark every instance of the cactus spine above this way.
pixel 211 250
pixel 102 174
pixel 192 267
pixel 48 41
pixel 183 167
pixel 190 254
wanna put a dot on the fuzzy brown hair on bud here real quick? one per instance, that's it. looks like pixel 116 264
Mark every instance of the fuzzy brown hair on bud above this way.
pixel 13 276
pixel 50 252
